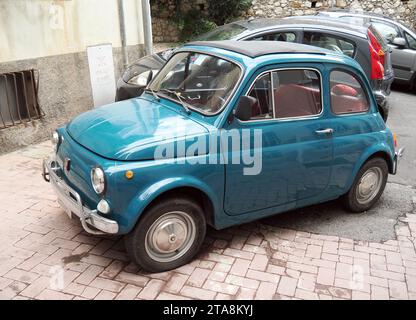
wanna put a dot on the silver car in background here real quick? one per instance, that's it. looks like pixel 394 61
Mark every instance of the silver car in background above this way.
pixel 400 38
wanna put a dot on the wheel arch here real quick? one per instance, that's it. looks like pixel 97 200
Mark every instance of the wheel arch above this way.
pixel 192 192
pixel 374 152
pixel 195 190
pixel 384 155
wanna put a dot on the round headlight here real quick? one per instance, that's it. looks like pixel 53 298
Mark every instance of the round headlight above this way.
pixel 98 180
pixel 55 139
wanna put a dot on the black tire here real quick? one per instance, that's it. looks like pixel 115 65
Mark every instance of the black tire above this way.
pixel 351 199
pixel 139 244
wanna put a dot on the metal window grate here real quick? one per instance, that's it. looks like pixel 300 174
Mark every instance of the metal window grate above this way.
pixel 19 98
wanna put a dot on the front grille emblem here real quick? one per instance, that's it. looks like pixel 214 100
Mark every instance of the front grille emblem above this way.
pixel 67 164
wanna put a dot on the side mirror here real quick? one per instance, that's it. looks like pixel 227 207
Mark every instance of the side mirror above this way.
pixel 400 42
pixel 149 77
pixel 244 108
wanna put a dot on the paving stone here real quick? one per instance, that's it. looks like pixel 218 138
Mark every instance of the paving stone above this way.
pixel 252 261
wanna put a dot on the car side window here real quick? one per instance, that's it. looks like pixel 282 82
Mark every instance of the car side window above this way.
pixel 276 36
pixel 411 41
pixel 387 31
pixel 296 93
pixel 347 94
pixel 284 94
pixel 330 42
pixel 261 91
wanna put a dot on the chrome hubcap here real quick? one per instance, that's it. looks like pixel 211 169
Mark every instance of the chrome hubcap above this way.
pixel 369 185
pixel 170 236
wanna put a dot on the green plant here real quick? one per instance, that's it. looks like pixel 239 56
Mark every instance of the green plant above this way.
pixel 224 11
pixel 192 24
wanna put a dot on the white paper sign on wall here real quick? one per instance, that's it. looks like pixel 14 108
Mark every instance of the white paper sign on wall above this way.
pixel 101 65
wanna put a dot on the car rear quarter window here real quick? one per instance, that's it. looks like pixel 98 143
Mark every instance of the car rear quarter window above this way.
pixel 347 94
pixel 330 42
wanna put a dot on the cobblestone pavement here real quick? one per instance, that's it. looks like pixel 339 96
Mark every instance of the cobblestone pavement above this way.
pixel 45 255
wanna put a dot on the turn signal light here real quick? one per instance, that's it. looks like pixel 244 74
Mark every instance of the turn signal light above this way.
pixel 395 140
pixel 129 174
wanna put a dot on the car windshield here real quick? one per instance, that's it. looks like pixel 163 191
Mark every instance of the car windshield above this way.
pixel 225 32
pixel 197 81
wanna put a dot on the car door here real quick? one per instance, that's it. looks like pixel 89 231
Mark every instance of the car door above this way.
pixel 411 43
pixel 294 156
pixel 401 57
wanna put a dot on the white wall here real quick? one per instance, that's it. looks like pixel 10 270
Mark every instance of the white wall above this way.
pixel 37 28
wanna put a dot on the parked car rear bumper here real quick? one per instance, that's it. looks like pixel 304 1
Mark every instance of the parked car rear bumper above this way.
pixel 386 83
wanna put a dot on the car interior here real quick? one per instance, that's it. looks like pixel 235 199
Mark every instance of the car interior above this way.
pixel 204 84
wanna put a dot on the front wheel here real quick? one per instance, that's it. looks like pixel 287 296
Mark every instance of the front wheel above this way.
pixel 368 186
pixel 168 235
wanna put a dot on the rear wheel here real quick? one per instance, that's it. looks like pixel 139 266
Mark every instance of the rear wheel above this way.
pixel 368 186
pixel 168 235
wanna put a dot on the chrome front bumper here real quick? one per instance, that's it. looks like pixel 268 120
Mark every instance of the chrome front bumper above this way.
pixel 397 155
pixel 71 202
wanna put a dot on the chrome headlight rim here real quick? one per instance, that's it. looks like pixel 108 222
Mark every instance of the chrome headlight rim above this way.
pixel 55 139
pixel 99 191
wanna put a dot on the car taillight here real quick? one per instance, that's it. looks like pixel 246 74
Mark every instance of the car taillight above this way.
pixel 376 56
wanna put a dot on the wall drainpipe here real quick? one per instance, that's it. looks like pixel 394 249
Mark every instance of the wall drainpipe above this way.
pixel 123 33
pixel 147 27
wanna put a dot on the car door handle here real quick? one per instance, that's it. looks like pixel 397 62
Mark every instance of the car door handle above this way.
pixel 325 131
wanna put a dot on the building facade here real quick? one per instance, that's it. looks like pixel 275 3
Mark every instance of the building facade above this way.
pixel 45 75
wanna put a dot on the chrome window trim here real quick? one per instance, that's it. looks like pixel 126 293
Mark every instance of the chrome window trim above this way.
pixel 273 100
pixel 238 64
pixel 315 116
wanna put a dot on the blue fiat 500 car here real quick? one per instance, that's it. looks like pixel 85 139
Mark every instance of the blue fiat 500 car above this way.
pixel 224 134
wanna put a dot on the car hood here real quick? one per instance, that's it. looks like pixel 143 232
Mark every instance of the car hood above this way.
pixel 132 129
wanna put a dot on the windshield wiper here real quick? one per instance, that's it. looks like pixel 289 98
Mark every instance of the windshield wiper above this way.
pixel 178 95
pixel 153 93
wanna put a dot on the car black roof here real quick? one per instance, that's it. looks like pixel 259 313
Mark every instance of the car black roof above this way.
pixel 255 49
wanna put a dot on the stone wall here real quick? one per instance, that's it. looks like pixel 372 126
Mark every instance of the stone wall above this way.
pixel 166 30
pixel 400 10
